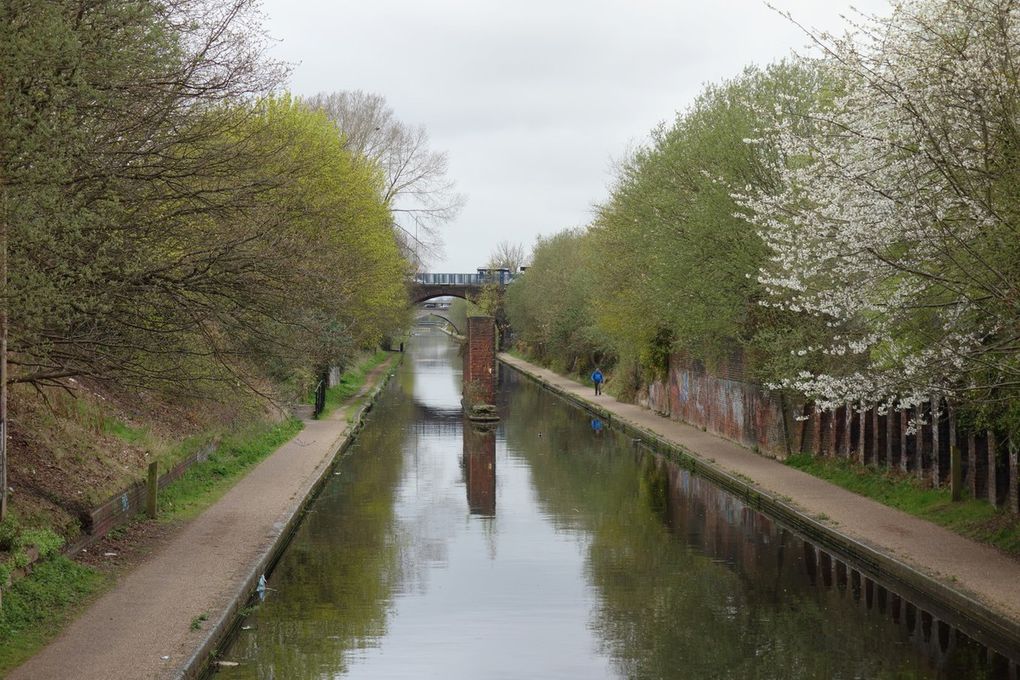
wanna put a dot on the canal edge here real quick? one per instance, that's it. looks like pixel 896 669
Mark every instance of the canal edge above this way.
pixel 198 663
pixel 969 614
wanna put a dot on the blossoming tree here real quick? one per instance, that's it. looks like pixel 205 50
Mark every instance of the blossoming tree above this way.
pixel 896 218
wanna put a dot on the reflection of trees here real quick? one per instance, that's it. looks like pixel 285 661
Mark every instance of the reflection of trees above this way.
pixel 691 582
pixel 339 573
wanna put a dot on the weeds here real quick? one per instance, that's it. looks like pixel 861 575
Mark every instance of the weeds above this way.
pixel 38 606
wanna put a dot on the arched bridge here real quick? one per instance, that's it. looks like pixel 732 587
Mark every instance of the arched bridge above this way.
pixel 467 286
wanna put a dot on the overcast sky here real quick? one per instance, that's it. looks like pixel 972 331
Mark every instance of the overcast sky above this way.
pixel 533 99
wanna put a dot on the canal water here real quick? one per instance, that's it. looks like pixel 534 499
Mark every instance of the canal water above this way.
pixel 552 546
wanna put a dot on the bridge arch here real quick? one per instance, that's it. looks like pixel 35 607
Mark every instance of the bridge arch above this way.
pixel 457 330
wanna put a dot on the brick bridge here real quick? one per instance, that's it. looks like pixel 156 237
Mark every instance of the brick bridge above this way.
pixel 467 286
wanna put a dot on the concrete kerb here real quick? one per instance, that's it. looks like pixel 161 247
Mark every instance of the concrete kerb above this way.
pixel 198 664
pixel 970 615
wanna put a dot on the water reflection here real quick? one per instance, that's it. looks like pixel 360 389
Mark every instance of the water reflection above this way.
pixel 603 561
pixel 480 468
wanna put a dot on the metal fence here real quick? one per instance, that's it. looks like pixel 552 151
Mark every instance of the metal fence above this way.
pixel 499 277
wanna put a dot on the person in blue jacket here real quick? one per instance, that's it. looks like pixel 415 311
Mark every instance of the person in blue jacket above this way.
pixel 598 379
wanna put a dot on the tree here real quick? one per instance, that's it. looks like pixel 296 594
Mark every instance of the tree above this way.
pixel 97 101
pixel 896 219
pixel 507 255
pixel 416 188
pixel 675 262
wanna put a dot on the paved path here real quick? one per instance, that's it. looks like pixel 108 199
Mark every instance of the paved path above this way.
pixel 142 627
pixel 982 572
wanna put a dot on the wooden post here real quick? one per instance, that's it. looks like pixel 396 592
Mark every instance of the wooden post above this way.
pixel 848 425
pixel 955 472
pixel 816 432
pixel 1013 495
pixel 972 465
pixel 920 443
pixel 890 435
pixel 876 436
pixel 862 434
pixel 904 451
pixel 153 488
pixel 936 443
pixel 993 470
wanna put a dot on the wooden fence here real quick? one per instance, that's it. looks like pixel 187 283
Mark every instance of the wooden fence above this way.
pixel 924 441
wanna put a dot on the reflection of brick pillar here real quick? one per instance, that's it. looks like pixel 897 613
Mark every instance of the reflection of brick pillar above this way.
pixel 480 360
pixel 480 470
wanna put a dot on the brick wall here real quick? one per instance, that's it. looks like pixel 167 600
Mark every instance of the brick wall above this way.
pixel 722 402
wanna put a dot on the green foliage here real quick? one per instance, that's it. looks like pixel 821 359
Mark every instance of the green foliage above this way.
pixel 38 606
pixel 351 380
pixel 174 240
pixel 668 265
pixel 559 326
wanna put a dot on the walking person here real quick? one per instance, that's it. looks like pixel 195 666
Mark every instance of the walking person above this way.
pixel 598 379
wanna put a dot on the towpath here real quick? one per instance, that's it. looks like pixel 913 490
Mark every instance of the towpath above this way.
pixel 150 625
pixel 975 570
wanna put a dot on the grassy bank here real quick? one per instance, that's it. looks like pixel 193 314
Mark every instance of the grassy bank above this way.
pixel 975 519
pixel 38 607
pixel 204 483
pixel 352 380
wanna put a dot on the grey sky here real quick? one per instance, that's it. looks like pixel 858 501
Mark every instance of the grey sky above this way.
pixel 532 99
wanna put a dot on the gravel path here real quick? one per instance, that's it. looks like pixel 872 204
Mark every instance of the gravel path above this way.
pixel 143 627
pixel 977 570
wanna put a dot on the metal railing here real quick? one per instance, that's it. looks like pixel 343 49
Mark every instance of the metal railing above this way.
pixel 499 277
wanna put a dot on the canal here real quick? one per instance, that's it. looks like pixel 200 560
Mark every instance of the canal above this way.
pixel 554 547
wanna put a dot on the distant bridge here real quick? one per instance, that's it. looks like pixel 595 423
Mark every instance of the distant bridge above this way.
pixel 467 286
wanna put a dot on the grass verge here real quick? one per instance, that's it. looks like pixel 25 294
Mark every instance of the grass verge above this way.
pixel 972 518
pixel 352 380
pixel 38 607
pixel 204 483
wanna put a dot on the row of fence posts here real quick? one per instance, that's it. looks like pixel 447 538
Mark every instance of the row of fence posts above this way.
pixel 922 440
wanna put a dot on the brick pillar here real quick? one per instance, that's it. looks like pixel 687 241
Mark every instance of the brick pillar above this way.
pixel 480 361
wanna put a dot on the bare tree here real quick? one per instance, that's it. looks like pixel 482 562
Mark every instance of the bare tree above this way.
pixel 420 195
pixel 507 255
